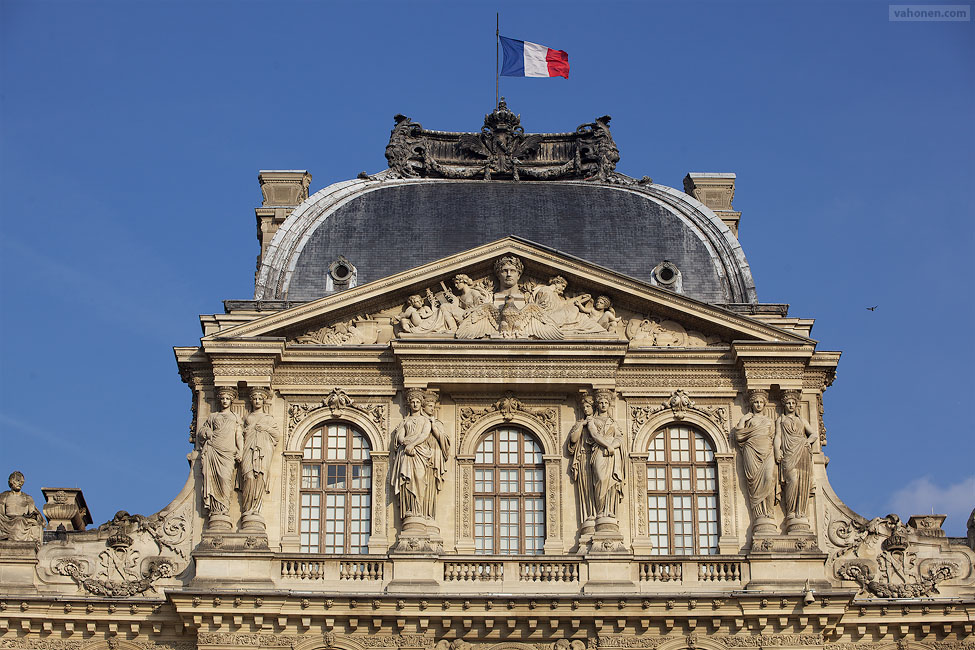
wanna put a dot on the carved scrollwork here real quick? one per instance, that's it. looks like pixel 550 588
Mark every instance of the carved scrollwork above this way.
pixel 926 584
pixel 508 406
pixel 394 641
pixel 679 403
pixel 336 401
pixel 117 561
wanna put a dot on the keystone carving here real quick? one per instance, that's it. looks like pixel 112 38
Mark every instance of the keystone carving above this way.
pixel 336 402
pixel 679 404
pixel 508 406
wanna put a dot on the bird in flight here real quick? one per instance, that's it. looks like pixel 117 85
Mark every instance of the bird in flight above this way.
pixel 874 308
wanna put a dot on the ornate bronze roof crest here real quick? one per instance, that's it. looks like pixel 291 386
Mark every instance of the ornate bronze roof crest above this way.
pixel 502 150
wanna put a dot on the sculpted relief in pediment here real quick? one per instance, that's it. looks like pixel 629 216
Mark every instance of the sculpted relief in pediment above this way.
pixel 507 305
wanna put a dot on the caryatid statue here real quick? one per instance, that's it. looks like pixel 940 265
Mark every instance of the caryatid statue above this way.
pixel 420 451
pixel 754 435
pixel 606 461
pixel 221 443
pixel 580 449
pixel 20 520
pixel 793 445
pixel 261 435
pixel 598 468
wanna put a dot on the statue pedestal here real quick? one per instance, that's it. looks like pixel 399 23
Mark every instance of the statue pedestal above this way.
pixel 607 538
pixel 253 522
pixel 242 558
pixel 786 562
pixel 764 527
pixel 221 522
pixel 610 573
pixel 17 566
pixel 415 574
pixel 419 535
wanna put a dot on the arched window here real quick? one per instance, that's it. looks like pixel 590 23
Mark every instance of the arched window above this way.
pixel 509 494
pixel 682 493
pixel 336 490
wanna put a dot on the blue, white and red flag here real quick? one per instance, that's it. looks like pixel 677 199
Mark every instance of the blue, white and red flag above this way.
pixel 524 59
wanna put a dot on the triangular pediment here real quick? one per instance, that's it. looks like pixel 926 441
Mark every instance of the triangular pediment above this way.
pixel 508 289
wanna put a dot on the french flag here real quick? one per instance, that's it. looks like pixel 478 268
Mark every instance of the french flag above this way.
pixel 524 59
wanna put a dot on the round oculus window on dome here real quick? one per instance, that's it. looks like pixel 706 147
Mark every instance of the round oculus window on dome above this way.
pixel 666 274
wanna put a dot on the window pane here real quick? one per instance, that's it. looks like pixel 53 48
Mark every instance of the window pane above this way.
pixel 313 447
pixel 311 476
pixel 508 480
pixel 336 442
pixel 335 477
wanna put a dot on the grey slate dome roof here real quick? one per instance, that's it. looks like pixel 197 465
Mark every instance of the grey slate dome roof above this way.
pixel 560 190
pixel 386 226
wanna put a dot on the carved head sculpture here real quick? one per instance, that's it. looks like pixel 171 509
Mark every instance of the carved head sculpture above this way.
pixel 461 280
pixel 508 269
pixel 16 481
pixel 604 399
pixel 790 400
pixel 758 398
pixel 259 395
pixel 415 301
pixel 226 396
pixel 558 283
pixel 603 303
pixel 586 401
pixel 430 403
pixel 414 399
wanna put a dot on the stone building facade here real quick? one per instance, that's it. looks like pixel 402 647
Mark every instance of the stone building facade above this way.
pixel 497 397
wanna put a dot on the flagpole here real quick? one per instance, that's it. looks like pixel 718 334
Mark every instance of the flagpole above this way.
pixel 497 46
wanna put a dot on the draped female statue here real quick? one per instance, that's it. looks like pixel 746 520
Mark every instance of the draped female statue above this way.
pixel 420 453
pixel 754 435
pixel 794 438
pixel 605 459
pixel 261 435
pixel 221 441
pixel 580 448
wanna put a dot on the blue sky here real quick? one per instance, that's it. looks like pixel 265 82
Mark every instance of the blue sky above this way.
pixel 131 134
